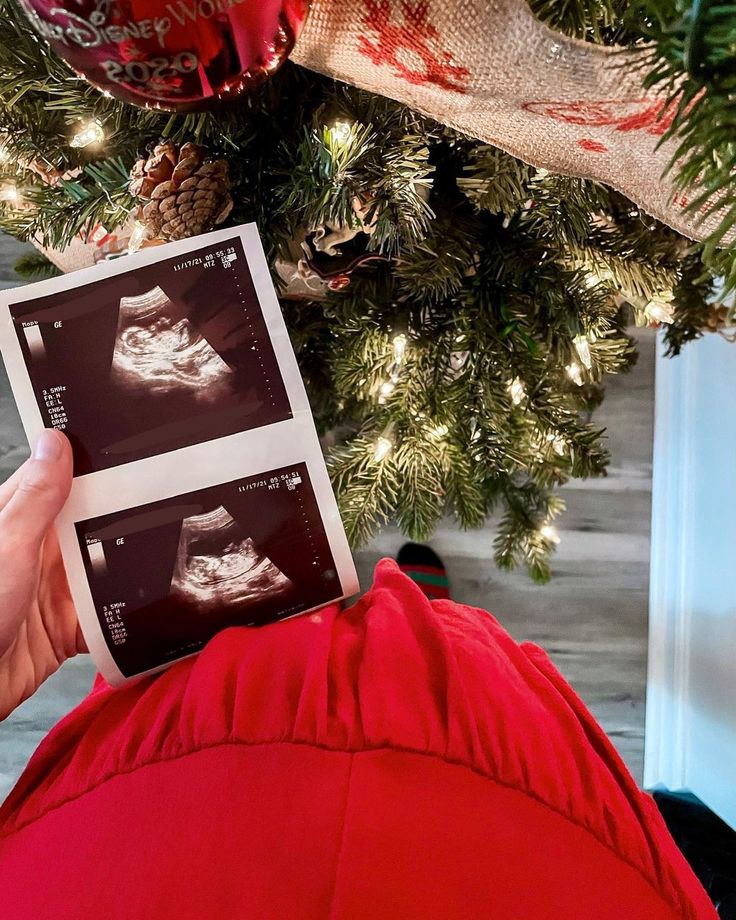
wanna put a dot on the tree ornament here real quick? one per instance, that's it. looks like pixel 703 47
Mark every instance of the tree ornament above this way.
pixel 179 55
pixel 310 272
pixel 185 192
pixel 331 263
pixel 332 251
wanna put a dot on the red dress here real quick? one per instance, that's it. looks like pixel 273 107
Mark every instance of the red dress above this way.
pixel 402 759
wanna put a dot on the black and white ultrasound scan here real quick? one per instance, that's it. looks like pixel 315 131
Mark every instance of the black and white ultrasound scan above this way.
pixel 200 496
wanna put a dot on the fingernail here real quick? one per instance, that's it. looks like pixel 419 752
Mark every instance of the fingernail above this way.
pixel 48 446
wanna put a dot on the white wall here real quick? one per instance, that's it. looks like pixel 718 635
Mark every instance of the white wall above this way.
pixel 690 740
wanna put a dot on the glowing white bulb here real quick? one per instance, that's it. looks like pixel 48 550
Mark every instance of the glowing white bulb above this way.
pixel 558 443
pixel 340 131
pixel 517 391
pixel 383 448
pixel 399 344
pixel 10 193
pixel 439 431
pixel 549 533
pixel 90 133
pixel 582 347
pixel 597 277
pixel 660 311
pixel 387 388
pixel 137 237
pixel 575 373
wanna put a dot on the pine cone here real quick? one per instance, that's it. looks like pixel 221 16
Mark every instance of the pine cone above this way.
pixel 186 193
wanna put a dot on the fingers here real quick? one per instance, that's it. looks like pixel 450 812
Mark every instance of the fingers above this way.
pixel 7 489
pixel 42 487
pixel 55 602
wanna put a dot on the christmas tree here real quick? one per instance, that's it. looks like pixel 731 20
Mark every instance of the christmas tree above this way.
pixel 454 310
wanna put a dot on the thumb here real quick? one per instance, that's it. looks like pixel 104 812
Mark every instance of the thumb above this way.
pixel 41 491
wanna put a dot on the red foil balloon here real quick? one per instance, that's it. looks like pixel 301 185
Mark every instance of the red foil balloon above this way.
pixel 181 55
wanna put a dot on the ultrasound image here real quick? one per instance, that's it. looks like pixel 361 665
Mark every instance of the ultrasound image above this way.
pixel 167 576
pixel 147 361
pixel 216 564
pixel 161 355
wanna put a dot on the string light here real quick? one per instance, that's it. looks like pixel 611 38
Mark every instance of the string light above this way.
pixel 399 343
pixel 340 131
pixel 593 278
pixel 90 133
pixel 558 443
pixel 549 533
pixel 137 237
pixel 582 347
pixel 383 448
pixel 384 443
pixel 439 432
pixel 10 193
pixel 660 311
pixel 575 373
pixel 517 391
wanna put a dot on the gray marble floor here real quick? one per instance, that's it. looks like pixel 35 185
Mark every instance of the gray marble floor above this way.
pixel 592 618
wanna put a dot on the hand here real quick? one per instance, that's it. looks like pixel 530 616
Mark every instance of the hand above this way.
pixel 38 623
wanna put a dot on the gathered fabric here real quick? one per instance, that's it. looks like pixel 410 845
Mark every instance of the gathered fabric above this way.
pixel 302 759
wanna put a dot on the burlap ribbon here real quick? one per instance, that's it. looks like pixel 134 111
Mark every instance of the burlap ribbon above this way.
pixel 492 71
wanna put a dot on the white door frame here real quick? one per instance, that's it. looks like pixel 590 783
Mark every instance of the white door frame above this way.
pixel 690 738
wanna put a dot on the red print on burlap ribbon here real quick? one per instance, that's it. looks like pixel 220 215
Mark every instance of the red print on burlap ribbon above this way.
pixel 411 47
pixel 652 117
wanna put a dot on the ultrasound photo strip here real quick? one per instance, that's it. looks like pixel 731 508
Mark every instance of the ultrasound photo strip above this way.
pixel 172 374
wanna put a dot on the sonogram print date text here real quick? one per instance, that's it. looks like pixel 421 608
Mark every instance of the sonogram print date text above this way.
pixel 225 257
pixel 187 263
pixel 290 480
